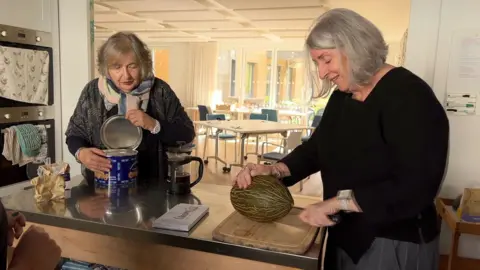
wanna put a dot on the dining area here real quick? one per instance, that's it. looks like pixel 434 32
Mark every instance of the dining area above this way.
pixel 262 135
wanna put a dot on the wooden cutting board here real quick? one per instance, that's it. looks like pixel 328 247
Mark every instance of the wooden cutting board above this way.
pixel 288 234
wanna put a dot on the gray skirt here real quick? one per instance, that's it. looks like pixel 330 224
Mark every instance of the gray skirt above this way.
pixel 386 254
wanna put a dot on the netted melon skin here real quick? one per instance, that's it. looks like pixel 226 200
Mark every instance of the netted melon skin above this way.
pixel 265 200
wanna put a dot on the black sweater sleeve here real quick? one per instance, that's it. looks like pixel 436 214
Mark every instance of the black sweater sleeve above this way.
pixel 416 130
pixel 304 159
pixel 176 126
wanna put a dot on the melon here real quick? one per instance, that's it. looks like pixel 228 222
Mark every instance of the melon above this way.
pixel 265 200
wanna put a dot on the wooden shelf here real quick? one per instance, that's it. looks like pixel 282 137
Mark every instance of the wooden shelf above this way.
pixel 458 227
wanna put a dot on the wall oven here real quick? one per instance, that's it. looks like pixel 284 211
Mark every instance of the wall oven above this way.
pixel 12 174
pixel 26 67
pixel 26 96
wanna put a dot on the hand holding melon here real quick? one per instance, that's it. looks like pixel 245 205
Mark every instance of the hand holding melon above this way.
pixel 266 199
pixel 244 177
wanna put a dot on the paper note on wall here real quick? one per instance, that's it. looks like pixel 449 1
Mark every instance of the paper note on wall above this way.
pixel 463 78
pixel 461 103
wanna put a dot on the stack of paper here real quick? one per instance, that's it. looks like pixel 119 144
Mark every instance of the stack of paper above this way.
pixel 182 217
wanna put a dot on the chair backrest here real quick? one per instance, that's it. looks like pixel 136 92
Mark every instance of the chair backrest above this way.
pixel 294 139
pixel 272 114
pixel 218 116
pixel 258 116
pixel 316 120
pixel 320 111
pixel 203 111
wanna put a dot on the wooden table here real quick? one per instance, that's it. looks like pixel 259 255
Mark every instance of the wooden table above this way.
pixel 446 213
pixel 242 113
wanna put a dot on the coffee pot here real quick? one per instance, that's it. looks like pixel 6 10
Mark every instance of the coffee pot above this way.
pixel 178 177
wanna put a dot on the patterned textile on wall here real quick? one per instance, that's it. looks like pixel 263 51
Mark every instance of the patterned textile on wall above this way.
pixel 24 75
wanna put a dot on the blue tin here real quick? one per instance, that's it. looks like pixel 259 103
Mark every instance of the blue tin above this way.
pixel 122 177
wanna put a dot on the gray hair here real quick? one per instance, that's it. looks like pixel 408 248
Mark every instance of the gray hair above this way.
pixel 356 37
pixel 123 43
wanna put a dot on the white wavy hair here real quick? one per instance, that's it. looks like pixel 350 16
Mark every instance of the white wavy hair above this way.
pixel 353 35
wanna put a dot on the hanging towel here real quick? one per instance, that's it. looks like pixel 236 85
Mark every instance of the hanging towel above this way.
pixel 12 150
pixel 29 139
pixel 24 74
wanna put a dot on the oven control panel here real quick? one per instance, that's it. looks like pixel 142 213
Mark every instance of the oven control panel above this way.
pixel 25 36
pixel 25 114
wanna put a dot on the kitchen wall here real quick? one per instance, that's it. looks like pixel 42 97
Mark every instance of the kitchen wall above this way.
pixel 432 24
pixel 75 63
pixel 32 14
pixel 40 15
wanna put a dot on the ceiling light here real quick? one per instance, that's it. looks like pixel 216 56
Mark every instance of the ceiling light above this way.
pixel 272 37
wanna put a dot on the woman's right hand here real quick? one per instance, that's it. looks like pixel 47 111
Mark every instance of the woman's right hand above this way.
pixel 36 250
pixel 94 159
pixel 244 177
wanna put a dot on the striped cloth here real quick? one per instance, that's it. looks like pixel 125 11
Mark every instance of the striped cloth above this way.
pixel 28 139
pixel 12 150
pixel 136 99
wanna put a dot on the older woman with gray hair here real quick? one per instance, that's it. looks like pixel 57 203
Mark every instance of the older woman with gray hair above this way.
pixel 381 149
pixel 127 86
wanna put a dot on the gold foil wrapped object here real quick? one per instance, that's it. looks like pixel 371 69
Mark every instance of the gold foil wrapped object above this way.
pixel 49 185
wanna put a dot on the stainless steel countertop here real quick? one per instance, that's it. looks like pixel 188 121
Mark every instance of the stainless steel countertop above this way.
pixel 133 220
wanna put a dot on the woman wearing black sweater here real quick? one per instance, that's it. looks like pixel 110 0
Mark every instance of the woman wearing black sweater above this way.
pixel 381 149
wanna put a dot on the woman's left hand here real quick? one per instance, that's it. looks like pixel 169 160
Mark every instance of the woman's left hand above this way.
pixel 140 119
pixel 16 222
pixel 317 214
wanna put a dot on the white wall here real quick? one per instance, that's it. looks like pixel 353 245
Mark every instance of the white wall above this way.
pixel 75 63
pixel 432 24
pixel 31 14
pixel 393 52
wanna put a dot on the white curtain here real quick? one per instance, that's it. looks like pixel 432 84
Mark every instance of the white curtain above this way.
pixel 201 74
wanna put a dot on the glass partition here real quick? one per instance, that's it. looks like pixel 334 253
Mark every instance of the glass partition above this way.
pixel 256 76
pixel 290 79
pixel 226 74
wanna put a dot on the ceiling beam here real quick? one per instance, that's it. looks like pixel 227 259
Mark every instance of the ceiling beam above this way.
pixel 138 17
pixel 233 16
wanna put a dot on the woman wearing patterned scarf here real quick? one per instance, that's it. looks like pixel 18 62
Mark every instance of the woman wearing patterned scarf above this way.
pixel 127 87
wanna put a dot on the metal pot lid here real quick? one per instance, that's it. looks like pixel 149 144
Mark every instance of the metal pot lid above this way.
pixel 117 132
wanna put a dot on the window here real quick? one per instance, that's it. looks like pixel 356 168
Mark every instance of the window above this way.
pixel 250 80
pixel 290 82
pixel 269 77
pixel 232 77
pixel 279 83
pixel 226 62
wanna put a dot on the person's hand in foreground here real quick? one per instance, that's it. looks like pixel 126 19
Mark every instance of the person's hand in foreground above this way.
pixel 36 250
pixel 16 222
